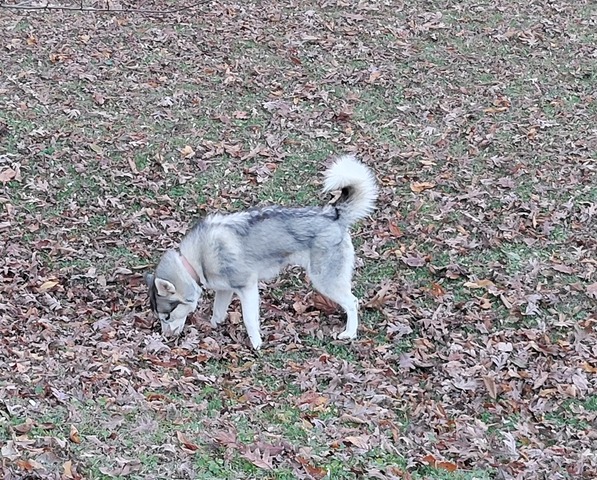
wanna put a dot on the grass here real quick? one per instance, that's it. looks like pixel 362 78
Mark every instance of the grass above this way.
pixel 106 186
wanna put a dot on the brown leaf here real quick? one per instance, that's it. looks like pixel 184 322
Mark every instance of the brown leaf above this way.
pixel 324 304
pixel 374 75
pixel 414 261
pixel 299 307
pixel 381 297
pixel 437 290
pixel 28 465
pixel 258 459
pixel 185 442
pixel 24 427
pixel 449 466
pixel 360 441
pixel 560 267
pixel 187 152
pixel 70 471
pixel 479 284
pixel 226 438
pixel 7 175
pixel 588 368
pixel 490 386
pixel 99 98
pixel 592 290
pixel 47 285
pixel 316 472
pixel 74 435
pixel 313 400
pixel 395 230
pixel 485 303
pixel 418 187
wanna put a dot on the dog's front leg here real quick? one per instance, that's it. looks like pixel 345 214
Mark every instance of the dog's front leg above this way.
pixel 249 300
pixel 221 303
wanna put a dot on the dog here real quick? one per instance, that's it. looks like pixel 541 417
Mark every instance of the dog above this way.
pixel 232 253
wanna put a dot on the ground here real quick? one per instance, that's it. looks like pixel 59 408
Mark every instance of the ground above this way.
pixel 477 273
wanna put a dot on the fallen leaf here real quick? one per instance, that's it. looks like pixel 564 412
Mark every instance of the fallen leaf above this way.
pixel 185 442
pixel 449 466
pixel 418 187
pixel 187 152
pixel 7 175
pixel 414 261
pixel 312 400
pixel 9 450
pixel 560 267
pixel 437 290
pixel 261 460
pixel 395 230
pixel 24 427
pixel 360 441
pixel 96 148
pixel 27 465
pixel 485 303
pixel 490 386
pixel 48 285
pixel 324 304
pixel 74 435
pixel 479 284
pixel 227 438
pixel 381 297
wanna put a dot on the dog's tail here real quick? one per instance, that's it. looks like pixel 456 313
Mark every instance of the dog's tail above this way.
pixel 358 187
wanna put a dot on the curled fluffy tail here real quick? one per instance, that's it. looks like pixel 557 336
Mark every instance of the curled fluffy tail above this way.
pixel 358 186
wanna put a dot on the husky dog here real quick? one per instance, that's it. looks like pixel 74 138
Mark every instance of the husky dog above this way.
pixel 231 253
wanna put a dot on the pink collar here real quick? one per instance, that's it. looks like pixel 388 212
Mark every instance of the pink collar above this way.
pixel 189 268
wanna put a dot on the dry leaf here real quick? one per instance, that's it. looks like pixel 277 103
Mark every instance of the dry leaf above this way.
pixel 490 386
pixel 414 261
pixel 187 152
pixel 418 187
pixel 560 267
pixel 258 459
pixel 395 230
pixel 437 290
pixel 7 175
pixel 324 304
pixel 185 442
pixel 479 284
pixel 592 290
pixel 48 285
pixel 360 441
pixel 74 435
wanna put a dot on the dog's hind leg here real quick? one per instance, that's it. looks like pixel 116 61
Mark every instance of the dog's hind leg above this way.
pixel 331 273
pixel 249 300
pixel 221 303
pixel 340 293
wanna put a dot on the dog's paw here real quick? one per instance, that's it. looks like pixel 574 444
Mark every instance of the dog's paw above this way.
pixel 216 322
pixel 257 343
pixel 346 335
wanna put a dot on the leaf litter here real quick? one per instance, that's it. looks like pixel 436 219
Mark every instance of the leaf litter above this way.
pixel 476 274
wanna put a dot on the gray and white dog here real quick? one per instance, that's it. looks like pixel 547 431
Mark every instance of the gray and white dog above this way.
pixel 231 253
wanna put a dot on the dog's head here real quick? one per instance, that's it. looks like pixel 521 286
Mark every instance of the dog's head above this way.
pixel 173 293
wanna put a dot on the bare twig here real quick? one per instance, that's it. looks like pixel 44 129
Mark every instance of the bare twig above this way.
pixel 81 8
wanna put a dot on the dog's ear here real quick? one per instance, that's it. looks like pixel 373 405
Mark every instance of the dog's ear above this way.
pixel 148 279
pixel 164 287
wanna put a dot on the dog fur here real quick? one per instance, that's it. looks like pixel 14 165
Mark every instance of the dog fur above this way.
pixel 232 253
